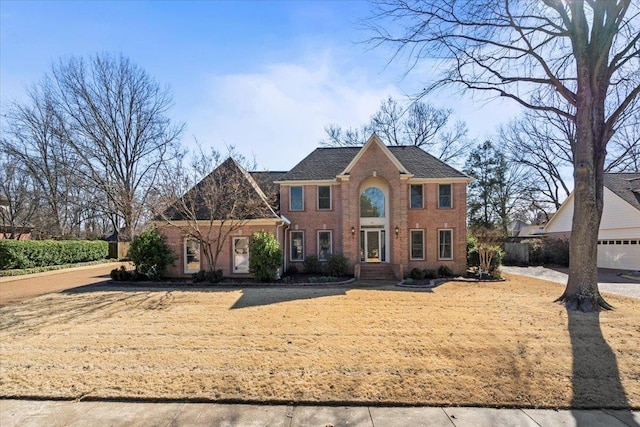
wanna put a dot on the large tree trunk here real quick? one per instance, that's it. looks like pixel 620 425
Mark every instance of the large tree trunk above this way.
pixel 589 154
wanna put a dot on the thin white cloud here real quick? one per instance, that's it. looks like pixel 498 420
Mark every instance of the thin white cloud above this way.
pixel 279 114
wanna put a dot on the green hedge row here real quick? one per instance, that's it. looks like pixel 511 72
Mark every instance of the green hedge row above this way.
pixel 40 253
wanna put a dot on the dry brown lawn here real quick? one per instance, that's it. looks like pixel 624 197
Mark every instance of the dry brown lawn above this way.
pixel 494 344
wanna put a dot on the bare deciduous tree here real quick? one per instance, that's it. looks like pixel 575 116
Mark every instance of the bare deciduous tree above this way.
pixel 577 59
pixel 420 124
pixel 115 119
pixel 33 141
pixel 19 199
pixel 541 141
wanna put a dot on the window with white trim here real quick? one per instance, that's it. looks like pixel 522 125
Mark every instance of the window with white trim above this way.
pixel 444 196
pixel 297 246
pixel 324 245
pixel 296 199
pixel 445 244
pixel 416 196
pixel 417 244
pixel 240 254
pixel 324 197
pixel 191 256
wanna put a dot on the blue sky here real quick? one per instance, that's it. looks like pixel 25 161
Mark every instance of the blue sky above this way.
pixel 263 76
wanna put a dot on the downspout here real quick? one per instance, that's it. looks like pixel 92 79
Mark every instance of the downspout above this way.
pixel 285 223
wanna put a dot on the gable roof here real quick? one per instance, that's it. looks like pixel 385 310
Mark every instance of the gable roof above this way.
pixel 373 139
pixel 327 163
pixel 626 186
pixel 234 183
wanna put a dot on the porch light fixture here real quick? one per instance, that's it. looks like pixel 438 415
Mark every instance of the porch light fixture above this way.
pixel 353 231
pixel 397 231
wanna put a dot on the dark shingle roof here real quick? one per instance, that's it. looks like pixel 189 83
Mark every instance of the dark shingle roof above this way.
pixel 227 192
pixel 266 180
pixel 422 164
pixel 625 185
pixel 327 163
pixel 322 163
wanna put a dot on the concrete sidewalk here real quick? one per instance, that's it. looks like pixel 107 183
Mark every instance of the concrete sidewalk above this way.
pixel 27 413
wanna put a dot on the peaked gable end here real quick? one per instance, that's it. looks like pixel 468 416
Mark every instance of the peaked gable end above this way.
pixel 374 143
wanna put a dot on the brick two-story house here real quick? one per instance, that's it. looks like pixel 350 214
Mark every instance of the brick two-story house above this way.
pixel 391 208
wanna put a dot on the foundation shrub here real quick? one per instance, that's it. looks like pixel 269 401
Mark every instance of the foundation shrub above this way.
pixel 123 275
pixel 151 254
pixel 473 258
pixel 266 256
pixel 430 274
pixel 203 276
pixel 444 271
pixel 417 274
pixel 312 265
pixel 337 265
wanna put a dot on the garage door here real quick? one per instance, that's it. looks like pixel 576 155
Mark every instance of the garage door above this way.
pixel 619 254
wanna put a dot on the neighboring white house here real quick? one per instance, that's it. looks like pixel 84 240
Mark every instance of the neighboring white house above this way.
pixel 619 234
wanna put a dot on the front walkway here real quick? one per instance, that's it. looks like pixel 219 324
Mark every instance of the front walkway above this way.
pixel 608 280
pixel 30 413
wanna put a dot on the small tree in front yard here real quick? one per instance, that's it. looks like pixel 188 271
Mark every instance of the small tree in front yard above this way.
pixel 483 248
pixel 266 256
pixel 211 209
pixel 151 254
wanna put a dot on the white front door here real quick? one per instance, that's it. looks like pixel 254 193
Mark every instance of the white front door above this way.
pixel 240 254
pixel 373 245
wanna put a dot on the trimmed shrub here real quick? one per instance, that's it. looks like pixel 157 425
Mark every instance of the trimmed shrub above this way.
pixel 266 256
pixel 122 275
pixel 20 254
pixel 444 271
pixel 151 254
pixel 430 274
pixel 473 258
pixel 312 265
pixel 416 274
pixel 208 276
pixel 337 265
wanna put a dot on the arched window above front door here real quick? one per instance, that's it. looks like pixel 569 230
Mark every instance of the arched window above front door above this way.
pixel 372 203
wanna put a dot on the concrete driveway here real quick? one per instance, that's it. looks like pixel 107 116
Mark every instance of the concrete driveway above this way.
pixel 19 288
pixel 611 281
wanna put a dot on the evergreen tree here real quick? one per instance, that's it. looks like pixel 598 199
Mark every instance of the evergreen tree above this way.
pixel 493 195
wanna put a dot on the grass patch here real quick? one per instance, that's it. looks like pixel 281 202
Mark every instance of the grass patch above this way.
pixel 23 271
pixel 487 344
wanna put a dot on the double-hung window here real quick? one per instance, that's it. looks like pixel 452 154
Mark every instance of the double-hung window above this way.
pixel 297 246
pixel 416 196
pixel 324 197
pixel 445 242
pixel 296 199
pixel 444 196
pixel 417 244
pixel 191 256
